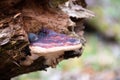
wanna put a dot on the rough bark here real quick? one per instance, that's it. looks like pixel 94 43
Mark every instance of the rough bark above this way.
pixel 20 17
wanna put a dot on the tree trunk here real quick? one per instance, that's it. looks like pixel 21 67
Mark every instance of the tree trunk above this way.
pixel 20 17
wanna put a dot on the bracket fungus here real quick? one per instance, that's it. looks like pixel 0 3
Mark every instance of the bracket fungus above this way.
pixel 23 49
pixel 50 44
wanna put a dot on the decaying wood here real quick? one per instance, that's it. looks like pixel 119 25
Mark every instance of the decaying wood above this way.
pixel 20 17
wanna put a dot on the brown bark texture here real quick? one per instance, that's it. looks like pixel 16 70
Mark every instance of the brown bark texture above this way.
pixel 20 17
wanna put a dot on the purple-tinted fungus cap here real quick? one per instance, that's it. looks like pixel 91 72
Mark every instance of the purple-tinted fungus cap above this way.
pixel 49 41
pixel 51 45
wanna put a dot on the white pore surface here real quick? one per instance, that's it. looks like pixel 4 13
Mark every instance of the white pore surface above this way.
pixel 41 50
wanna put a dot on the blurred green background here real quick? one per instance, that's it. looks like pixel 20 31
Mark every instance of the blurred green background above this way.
pixel 101 56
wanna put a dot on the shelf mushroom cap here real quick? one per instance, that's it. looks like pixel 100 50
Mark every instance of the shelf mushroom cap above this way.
pixel 48 41
pixel 51 45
